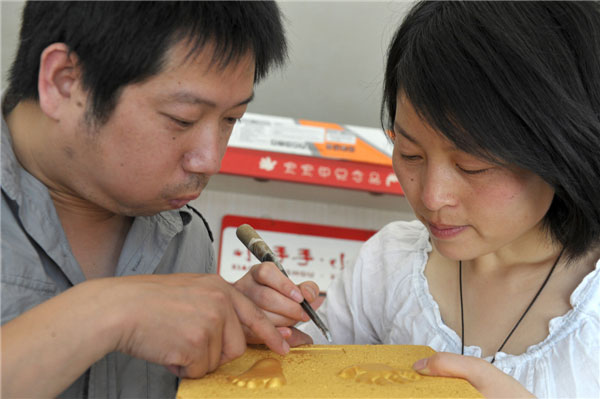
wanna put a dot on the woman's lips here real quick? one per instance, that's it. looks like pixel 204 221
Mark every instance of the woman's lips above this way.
pixel 444 231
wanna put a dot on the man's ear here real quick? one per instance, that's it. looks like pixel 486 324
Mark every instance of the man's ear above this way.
pixel 58 80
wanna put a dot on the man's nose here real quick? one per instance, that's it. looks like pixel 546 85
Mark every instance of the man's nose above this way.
pixel 206 152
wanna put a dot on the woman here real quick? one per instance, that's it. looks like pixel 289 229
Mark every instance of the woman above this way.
pixel 494 111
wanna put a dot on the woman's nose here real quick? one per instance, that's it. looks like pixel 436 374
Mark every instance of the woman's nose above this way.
pixel 438 188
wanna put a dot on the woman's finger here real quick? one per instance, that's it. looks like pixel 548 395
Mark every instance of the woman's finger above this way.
pixel 485 377
pixel 273 303
pixel 269 275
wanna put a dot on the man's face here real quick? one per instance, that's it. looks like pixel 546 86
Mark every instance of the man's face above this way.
pixel 165 138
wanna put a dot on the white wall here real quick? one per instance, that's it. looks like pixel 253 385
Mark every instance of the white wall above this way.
pixel 10 20
pixel 334 74
pixel 337 52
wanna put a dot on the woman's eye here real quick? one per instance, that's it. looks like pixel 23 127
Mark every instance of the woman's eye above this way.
pixel 473 171
pixel 410 157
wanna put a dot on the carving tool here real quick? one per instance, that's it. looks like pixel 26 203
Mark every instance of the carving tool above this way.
pixel 252 240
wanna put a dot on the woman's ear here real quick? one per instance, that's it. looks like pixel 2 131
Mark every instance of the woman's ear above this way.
pixel 58 79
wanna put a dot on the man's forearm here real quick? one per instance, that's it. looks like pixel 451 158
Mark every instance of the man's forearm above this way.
pixel 48 347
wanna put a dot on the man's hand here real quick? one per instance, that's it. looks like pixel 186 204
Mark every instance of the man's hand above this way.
pixel 486 378
pixel 280 299
pixel 193 323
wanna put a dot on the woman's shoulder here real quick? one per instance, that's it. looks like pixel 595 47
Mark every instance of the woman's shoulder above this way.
pixel 387 277
pixel 586 297
pixel 396 249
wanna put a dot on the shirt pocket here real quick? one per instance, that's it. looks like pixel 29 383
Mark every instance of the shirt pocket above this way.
pixel 20 294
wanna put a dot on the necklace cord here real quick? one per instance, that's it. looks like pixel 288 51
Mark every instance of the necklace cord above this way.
pixel 462 319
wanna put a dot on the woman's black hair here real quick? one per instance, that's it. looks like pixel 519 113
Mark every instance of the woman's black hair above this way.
pixel 516 83
pixel 124 42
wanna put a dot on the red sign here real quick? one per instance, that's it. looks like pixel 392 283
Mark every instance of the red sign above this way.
pixel 311 170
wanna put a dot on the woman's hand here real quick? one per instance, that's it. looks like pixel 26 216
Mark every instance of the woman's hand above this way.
pixel 280 299
pixel 486 378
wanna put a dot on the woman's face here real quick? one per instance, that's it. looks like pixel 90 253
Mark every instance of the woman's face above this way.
pixel 470 206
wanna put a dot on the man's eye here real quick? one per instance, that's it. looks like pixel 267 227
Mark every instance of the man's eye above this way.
pixel 410 157
pixel 181 122
pixel 232 121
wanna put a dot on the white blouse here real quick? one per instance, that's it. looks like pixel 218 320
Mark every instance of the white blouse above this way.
pixel 384 299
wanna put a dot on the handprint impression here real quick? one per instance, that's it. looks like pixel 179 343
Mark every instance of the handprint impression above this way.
pixel 380 374
pixel 265 373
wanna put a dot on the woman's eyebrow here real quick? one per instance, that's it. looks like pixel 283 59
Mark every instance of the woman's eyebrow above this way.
pixel 398 129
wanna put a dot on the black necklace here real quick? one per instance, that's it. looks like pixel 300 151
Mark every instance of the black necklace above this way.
pixel 462 318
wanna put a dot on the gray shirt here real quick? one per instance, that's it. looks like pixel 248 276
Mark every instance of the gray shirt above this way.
pixel 37 264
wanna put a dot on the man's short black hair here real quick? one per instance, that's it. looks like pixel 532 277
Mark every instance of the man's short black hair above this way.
pixel 517 83
pixel 124 42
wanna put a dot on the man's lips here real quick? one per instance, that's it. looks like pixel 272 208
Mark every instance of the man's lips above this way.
pixel 177 203
pixel 444 231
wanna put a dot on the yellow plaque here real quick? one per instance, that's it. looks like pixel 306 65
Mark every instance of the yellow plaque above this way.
pixel 326 371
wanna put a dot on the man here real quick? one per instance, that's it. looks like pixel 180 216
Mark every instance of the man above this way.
pixel 116 115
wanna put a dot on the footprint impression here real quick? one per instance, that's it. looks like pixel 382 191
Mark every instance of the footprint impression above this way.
pixel 265 373
pixel 380 374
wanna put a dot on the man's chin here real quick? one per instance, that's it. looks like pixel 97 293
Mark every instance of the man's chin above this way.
pixel 150 209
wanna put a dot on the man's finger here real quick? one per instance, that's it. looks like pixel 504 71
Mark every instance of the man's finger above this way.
pixel 199 366
pixel 215 340
pixel 234 343
pixel 254 318
pixel 298 337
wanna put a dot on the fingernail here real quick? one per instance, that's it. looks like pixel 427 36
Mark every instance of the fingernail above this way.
pixel 313 294
pixel 421 366
pixel 285 332
pixel 286 347
pixel 297 295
